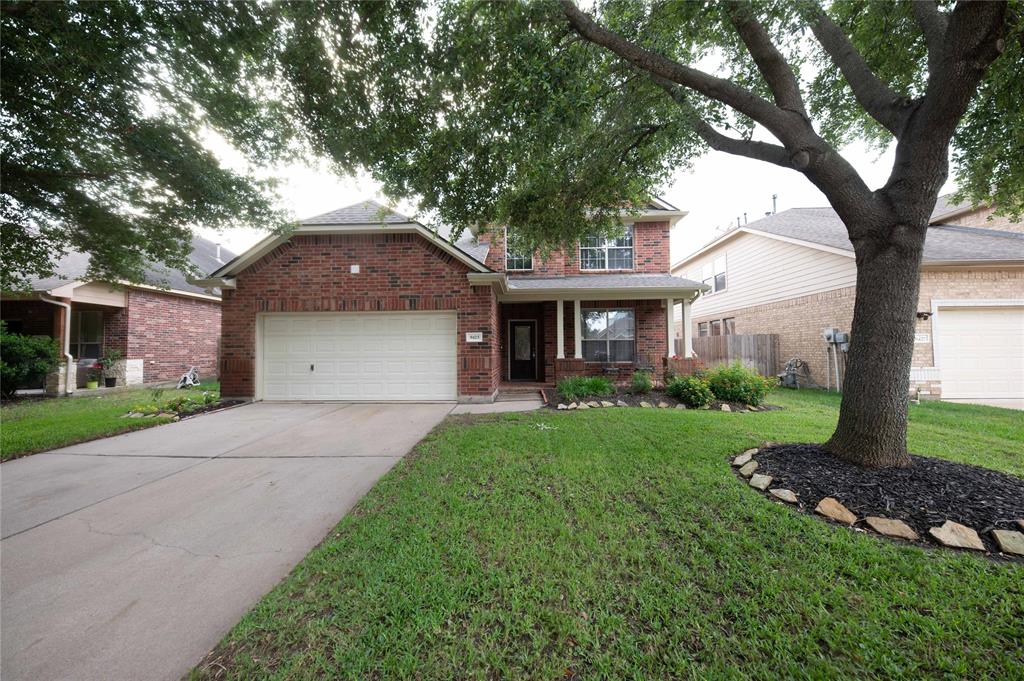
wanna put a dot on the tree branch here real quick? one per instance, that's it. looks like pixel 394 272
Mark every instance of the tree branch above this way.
pixel 877 98
pixel 764 112
pixel 933 24
pixel 760 151
pixel 770 62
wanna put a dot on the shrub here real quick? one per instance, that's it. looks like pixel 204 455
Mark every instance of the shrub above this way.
pixel 736 383
pixel 578 387
pixel 693 391
pixel 641 382
pixel 24 359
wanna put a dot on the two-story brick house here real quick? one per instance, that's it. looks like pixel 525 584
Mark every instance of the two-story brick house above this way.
pixel 363 303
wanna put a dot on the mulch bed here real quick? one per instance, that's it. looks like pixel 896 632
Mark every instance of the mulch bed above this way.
pixel 923 495
pixel 553 398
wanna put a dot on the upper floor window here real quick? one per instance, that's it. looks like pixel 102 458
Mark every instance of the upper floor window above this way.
pixel 515 260
pixel 602 253
pixel 713 274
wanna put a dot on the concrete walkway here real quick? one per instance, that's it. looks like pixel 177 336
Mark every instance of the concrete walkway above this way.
pixel 130 557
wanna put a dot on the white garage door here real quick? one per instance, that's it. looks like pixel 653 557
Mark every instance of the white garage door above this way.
pixel 981 352
pixel 354 356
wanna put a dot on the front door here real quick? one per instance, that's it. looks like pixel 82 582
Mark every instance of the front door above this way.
pixel 522 351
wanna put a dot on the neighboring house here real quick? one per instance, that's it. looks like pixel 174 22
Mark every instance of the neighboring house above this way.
pixel 365 304
pixel 161 328
pixel 793 274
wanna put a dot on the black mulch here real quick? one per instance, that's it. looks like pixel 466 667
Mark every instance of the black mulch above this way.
pixel 923 495
pixel 554 397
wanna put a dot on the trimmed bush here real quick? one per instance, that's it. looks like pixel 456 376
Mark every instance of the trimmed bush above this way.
pixel 736 383
pixel 24 359
pixel 693 391
pixel 641 383
pixel 577 387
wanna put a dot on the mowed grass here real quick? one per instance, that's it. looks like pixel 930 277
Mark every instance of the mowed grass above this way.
pixel 36 425
pixel 618 544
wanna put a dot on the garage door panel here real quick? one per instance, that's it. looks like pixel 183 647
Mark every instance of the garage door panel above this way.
pixel 359 356
pixel 981 352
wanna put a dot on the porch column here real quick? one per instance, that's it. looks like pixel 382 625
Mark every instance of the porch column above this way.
pixel 670 327
pixel 577 334
pixel 560 328
pixel 687 329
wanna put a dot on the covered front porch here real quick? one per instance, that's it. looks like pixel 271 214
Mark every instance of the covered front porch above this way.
pixel 89 323
pixel 548 333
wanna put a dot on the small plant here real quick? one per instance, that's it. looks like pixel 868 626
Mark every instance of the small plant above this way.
pixel 577 387
pixel 110 360
pixel 693 391
pixel 24 359
pixel 736 383
pixel 156 394
pixel 641 383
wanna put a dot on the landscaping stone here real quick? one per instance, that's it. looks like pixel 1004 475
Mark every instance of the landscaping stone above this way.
pixel 620 403
pixel 831 508
pixel 645 405
pixel 1009 541
pixel 957 535
pixel 583 405
pixel 891 528
pixel 706 406
pixel 680 406
pixel 1021 523
pixel 786 495
pixel 744 457
pixel 663 405
pixel 747 469
pixel 563 406
pixel 726 407
pixel 594 404
pixel 573 405
pixel 761 482
pixel 606 403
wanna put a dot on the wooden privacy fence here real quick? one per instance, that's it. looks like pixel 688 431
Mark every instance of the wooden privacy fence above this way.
pixel 758 351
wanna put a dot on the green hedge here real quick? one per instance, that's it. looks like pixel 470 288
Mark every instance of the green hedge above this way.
pixel 578 387
pixel 736 383
pixel 24 359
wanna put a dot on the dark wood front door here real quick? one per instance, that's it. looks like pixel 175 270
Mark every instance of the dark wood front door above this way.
pixel 522 351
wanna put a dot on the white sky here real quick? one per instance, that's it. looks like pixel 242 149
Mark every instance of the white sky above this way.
pixel 719 188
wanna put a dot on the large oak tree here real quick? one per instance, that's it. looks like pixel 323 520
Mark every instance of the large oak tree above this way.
pixel 539 115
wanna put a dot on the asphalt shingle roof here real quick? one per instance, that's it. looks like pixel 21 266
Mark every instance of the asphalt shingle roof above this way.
pixel 362 213
pixel 74 265
pixel 944 205
pixel 602 281
pixel 943 243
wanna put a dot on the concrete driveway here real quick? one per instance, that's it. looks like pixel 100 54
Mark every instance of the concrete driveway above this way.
pixel 130 557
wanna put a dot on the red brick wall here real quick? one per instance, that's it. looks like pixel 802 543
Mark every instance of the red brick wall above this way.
pixel 398 272
pixel 115 330
pixel 171 333
pixel 650 254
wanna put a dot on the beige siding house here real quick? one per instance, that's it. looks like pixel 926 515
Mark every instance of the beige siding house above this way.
pixel 793 274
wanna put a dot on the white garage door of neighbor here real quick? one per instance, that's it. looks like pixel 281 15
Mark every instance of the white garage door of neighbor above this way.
pixel 981 352
pixel 380 356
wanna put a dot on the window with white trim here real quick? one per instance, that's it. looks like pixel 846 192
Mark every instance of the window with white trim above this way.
pixel 609 335
pixel 713 274
pixel 703 329
pixel 86 334
pixel 602 253
pixel 729 326
pixel 514 260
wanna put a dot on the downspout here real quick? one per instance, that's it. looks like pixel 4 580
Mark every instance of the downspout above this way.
pixel 66 345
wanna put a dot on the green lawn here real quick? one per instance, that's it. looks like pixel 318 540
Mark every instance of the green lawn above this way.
pixel 31 426
pixel 618 544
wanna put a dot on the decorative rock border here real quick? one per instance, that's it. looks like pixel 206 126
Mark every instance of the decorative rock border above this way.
pixel 950 533
pixel 644 404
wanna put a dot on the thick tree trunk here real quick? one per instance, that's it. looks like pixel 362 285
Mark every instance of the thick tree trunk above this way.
pixel 872 428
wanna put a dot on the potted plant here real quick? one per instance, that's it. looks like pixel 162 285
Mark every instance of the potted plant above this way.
pixel 92 378
pixel 109 364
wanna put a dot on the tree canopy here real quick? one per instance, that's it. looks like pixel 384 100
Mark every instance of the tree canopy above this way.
pixel 480 112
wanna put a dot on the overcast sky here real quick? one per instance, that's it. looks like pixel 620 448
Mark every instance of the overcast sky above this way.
pixel 719 188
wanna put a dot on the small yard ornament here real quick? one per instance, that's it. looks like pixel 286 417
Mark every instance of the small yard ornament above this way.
pixel 189 379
